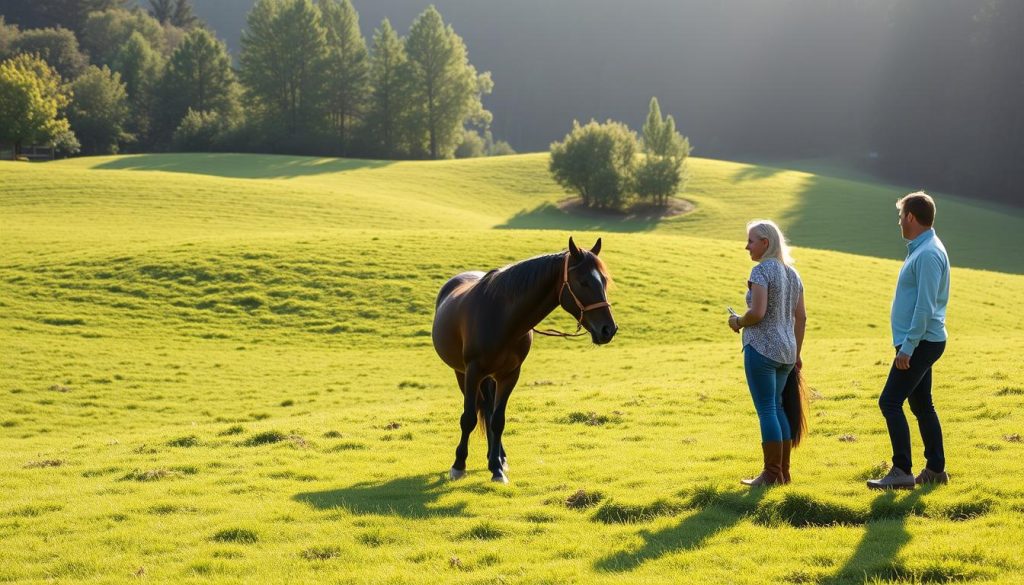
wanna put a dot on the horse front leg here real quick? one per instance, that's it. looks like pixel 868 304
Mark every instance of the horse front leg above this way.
pixel 496 462
pixel 470 384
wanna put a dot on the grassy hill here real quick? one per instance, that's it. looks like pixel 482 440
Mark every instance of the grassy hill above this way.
pixel 216 368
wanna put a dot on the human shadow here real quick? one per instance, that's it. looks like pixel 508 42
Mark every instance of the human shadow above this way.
pixel 240 166
pixel 885 534
pixel 711 517
pixel 408 497
pixel 549 216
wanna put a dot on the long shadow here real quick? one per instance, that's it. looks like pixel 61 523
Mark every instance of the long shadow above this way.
pixel 408 497
pixel 860 217
pixel 884 536
pixel 548 216
pixel 240 166
pixel 754 172
pixel 689 534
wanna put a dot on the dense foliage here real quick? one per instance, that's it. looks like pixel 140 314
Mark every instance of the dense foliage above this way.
pixel 306 82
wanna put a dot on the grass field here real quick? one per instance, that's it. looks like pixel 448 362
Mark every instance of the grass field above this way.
pixel 217 369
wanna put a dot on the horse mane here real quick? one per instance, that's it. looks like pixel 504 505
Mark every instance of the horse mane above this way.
pixel 517 279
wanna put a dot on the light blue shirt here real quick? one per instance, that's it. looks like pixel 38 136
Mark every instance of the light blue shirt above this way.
pixel 922 293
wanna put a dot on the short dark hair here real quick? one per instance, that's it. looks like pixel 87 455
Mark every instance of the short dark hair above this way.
pixel 921 205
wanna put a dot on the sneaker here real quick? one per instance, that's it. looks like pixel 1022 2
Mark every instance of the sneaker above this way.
pixel 929 476
pixel 897 479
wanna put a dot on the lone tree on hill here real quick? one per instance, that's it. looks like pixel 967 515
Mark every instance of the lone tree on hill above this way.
pixel 596 161
pixel 663 171
pixel 32 100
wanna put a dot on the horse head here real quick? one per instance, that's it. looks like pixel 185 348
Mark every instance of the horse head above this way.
pixel 584 292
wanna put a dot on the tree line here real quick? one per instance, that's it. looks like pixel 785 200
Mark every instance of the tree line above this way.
pixel 98 77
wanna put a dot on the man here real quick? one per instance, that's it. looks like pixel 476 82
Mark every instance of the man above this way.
pixel 919 333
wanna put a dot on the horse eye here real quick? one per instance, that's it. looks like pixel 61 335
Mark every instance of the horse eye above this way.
pixel 585 284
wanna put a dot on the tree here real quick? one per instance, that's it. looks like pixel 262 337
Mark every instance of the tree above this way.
pixel 446 89
pixel 198 77
pixel 596 161
pixel 660 136
pixel 282 64
pixel 99 110
pixel 8 34
pixel 105 32
pixel 389 103
pixel 177 13
pixel 348 74
pixel 140 68
pixel 32 100
pixel 57 46
pixel 662 172
pixel 69 14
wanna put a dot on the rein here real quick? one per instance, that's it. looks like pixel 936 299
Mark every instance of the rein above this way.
pixel 583 309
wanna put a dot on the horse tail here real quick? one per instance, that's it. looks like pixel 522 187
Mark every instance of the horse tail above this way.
pixel 794 403
pixel 485 403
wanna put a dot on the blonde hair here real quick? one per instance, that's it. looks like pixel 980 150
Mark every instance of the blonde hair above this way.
pixel 777 246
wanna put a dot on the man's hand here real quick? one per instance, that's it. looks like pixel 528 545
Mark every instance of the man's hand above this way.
pixel 902 361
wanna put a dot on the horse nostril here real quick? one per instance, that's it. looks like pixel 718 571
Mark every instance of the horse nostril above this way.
pixel 608 331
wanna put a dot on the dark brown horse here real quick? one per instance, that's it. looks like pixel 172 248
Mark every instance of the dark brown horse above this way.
pixel 483 329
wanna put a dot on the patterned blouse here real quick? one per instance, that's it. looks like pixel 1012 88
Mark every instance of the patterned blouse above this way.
pixel 773 337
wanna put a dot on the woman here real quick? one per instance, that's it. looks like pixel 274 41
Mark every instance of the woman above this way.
pixel 773 333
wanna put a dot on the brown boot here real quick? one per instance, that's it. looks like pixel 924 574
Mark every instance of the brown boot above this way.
pixel 787 448
pixel 772 474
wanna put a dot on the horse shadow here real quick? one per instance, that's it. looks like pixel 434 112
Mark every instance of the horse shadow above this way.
pixel 411 497
pixel 690 534
pixel 885 534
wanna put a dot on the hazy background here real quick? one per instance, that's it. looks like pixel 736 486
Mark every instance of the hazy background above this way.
pixel 922 91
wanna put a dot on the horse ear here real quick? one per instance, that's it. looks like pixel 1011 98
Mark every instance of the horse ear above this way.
pixel 597 248
pixel 573 250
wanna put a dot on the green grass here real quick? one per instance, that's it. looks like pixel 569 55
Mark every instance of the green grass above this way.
pixel 217 369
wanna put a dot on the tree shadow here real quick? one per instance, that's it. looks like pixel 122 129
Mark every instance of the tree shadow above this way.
pixel 885 534
pixel 408 497
pixel 689 534
pixel 548 216
pixel 240 166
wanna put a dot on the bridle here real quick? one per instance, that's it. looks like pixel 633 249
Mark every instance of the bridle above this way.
pixel 583 308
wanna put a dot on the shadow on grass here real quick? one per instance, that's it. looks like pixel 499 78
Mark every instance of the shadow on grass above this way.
pixel 755 172
pixel 884 536
pixel 860 217
pixel 715 513
pixel 240 166
pixel 547 216
pixel 408 497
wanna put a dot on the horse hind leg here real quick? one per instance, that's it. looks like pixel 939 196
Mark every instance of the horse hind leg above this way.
pixel 468 381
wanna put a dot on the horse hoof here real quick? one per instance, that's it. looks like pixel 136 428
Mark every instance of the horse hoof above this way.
pixel 500 478
pixel 456 473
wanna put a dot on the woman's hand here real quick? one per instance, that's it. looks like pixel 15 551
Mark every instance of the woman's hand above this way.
pixel 799 363
pixel 734 323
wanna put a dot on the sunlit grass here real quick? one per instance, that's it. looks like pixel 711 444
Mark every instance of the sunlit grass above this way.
pixel 229 379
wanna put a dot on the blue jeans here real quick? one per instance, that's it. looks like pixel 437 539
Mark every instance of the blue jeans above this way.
pixel 767 379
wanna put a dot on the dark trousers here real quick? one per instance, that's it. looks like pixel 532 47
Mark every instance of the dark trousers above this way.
pixel 914 385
